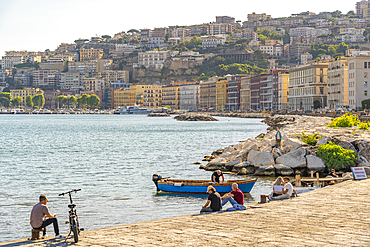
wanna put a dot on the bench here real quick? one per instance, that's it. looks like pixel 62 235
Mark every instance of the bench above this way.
pixel 36 233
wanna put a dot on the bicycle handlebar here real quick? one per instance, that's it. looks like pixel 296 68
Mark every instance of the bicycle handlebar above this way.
pixel 69 192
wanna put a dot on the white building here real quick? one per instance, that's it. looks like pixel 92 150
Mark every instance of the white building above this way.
pixel 152 59
pixel 71 80
pixel 8 62
pixel 358 80
pixel 276 50
pixel 125 48
pixel 189 97
pixel 213 41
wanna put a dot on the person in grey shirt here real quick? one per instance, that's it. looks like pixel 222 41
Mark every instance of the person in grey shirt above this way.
pixel 41 217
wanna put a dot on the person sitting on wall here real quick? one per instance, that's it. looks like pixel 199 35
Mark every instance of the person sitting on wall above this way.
pixel 277 187
pixel 332 173
pixel 216 177
pixel 287 192
pixel 236 193
pixel 214 199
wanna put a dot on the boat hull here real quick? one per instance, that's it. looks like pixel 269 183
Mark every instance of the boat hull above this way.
pixel 182 186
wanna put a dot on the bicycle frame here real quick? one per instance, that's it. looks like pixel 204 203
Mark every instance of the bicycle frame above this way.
pixel 73 219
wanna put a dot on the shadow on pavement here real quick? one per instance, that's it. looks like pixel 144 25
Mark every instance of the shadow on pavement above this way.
pixel 42 242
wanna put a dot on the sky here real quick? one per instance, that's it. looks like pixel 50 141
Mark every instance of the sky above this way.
pixel 38 25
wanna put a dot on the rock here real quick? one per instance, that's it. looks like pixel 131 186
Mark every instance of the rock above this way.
pixel 288 145
pixel 216 164
pixel 197 163
pixel 263 159
pixel 347 145
pixel 202 167
pixel 293 159
pixel 266 149
pixel 365 153
pixel 283 170
pixel 367 170
pixel 323 140
pixel 195 117
pixel 158 114
pixel 229 165
pixel 362 161
pixel 251 155
pixel 349 175
pixel 315 163
pixel 229 149
pixel 243 171
pixel 362 145
pixel 276 152
pixel 250 170
pixel 243 155
pixel 266 170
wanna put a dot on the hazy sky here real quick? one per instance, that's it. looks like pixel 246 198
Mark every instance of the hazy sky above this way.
pixel 43 24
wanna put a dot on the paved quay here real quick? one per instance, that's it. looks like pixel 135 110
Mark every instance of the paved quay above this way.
pixel 337 215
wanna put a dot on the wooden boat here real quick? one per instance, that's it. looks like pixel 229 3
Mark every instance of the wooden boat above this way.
pixel 199 186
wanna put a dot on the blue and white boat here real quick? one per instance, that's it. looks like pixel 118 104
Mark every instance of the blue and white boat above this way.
pixel 199 186
pixel 132 110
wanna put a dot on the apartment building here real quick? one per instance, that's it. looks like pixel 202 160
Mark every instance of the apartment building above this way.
pixel 94 84
pixel 90 66
pixel 255 88
pixel 46 78
pixel 297 49
pixel 112 76
pixel 25 75
pixel 91 54
pixel 282 91
pixel 213 41
pixel 225 19
pixel 220 28
pixel 23 93
pixel 189 97
pixel 233 93
pixel 121 97
pixel 50 97
pixel 125 48
pixel 305 57
pixel 152 97
pixel 338 82
pixel 161 32
pixel 65 47
pixel 245 35
pixel 180 32
pixel 207 91
pixel 198 30
pixel 71 80
pixel 276 50
pixel 307 84
pixel 171 97
pixel 363 9
pixel 8 62
pixel 245 93
pixel 152 59
pixel 145 33
pixel 221 94
pixel 358 78
pixel 256 17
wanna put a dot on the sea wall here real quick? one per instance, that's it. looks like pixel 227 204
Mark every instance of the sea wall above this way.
pixel 261 156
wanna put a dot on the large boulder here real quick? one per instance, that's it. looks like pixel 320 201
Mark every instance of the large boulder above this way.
pixel 263 159
pixel 362 145
pixel 251 155
pixel 283 170
pixel 276 152
pixel 289 145
pixel 323 140
pixel 239 166
pixel 267 170
pixel 216 164
pixel 293 159
pixel 362 161
pixel 229 165
pixel 365 152
pixel 243 155
pixel 315 163
pixel 266 149
pixel 347 145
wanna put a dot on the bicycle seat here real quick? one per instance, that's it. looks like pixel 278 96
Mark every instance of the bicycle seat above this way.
pixel 71 205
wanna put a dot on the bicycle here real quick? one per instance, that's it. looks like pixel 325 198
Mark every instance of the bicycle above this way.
pixel 73 219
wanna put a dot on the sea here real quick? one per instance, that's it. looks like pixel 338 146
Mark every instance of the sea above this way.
pixel 111 158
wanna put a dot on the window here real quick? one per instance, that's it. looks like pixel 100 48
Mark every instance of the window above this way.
pixel 365 65
pixel 365 93
pixel 365 83
pixel 365 75
pixel 321 90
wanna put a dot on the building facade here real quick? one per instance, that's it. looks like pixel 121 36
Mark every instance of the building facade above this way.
pixel 338 83
pixel 189 97
pixel 171 97
pixel 358 78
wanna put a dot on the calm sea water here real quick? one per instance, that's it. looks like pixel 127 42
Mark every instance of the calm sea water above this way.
pixel 111 158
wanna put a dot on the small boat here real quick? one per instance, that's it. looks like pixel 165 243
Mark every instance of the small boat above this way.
pixel 132 110
pixel 199 186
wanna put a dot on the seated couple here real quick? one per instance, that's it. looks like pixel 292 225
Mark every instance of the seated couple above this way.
pixel 214 199
pixel 282 189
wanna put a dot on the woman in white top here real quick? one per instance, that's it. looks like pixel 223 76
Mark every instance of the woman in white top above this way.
pixel 278 187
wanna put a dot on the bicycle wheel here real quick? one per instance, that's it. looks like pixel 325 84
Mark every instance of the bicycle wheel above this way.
pixel 74 230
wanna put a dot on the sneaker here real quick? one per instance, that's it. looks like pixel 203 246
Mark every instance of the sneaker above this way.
pixel 44 236
pixel 60 236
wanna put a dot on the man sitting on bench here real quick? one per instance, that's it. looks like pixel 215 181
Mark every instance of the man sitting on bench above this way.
pixel 39 214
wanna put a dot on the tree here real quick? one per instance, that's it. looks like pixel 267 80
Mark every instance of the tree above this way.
pixel 38 101
pixel 17 101
pixel 5 99
pixel 133 31
pixel 61 99
pixel 82 100
pixel 106 36
pixel 18 84
pixel 93 101
pixel 29 102
pixel 73 100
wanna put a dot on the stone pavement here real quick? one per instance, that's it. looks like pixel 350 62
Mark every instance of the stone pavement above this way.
pixel 337 215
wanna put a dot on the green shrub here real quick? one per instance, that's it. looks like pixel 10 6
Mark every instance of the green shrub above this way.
pixel 364 126
pixel 346 120
pixel 336 157
pixel 310 139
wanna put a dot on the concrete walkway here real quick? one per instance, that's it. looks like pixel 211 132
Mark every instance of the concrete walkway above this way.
pixel 337 215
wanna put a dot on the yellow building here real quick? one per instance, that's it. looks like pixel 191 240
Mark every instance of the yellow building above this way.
pixel 137 92
pixel 91 54
pixel 283 83
pixel 170 97
pixel 221 94
pixel 245 93
pixel 121 97
pixel 23 93
pixel 152 97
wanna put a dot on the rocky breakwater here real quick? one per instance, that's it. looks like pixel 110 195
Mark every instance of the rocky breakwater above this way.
pixel 195 117
pixel 241 115
pixel 261 156
pixel 158 114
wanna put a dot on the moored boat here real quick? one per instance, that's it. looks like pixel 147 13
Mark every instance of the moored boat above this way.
pixel 199 186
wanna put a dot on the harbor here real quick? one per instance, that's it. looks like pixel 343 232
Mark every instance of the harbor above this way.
pixel 336 215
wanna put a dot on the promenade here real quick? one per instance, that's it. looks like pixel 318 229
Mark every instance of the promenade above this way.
pixel 337 215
